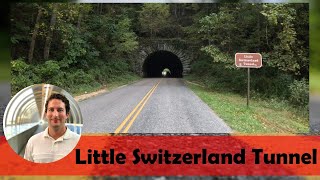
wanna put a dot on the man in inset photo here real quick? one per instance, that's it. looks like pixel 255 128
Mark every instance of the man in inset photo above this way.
pixel 57 140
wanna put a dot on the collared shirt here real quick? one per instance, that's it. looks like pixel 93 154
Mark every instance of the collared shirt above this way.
pixel 42 148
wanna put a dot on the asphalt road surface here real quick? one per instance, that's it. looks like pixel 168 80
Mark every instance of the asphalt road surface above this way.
pixel 171 108
pixel 314 109
pixel 158 105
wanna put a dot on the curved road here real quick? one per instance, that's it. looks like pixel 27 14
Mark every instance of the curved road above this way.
pixel 158 105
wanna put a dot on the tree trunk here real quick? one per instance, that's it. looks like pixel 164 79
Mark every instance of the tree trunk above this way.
pixel 267 36
pixel 175 10
pixel 34 35
pixel 79 21
pixel 47 44
pixel 100 11
pixel 182 10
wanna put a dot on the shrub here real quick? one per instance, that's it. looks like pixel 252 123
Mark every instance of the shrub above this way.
pixel 78 77
pixel 19 66
pixel 22 75
pixel 97 74
pixel 299 93
pixel 271 86
pixel 50 72
pixel 201 67
pixel 118 66
pixel 49 69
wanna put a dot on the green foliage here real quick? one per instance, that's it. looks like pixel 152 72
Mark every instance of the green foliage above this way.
pixel 270 116
pixel 219 56
pixel 49 69
pixel 19 66
pixel 114 68
pixel 289 54
pixel 218 28
pixel 22 75
pixel 266 83
pixel 112 36
pixel 275 30
pixel 272 85
pixel 315 47
pixel 215 76
pixel 78 51
pixel 93 44
pixel 299 93
pixel 20 26
pixel 78 77
pixel 124 39
pixel 73 80
pixel 49 72
pixel 201 67
pixel 154 17
pixel 315 36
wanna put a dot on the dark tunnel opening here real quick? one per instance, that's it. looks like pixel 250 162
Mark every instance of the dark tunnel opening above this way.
pixel 162 64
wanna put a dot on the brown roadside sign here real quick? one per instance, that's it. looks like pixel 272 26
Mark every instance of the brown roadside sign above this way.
pixel 248 60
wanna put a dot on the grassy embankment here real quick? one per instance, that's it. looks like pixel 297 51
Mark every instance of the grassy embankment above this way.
pixel 314 81
pixel 263 116
pixel 114 83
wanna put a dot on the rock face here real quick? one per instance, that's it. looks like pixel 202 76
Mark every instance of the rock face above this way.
pixel 145 51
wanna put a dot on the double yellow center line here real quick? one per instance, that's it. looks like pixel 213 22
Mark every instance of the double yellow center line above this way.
pixel 136 111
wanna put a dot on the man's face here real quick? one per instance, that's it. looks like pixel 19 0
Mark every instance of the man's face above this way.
pixel 56 114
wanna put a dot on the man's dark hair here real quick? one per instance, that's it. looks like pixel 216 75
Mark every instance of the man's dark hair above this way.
pixel 60 97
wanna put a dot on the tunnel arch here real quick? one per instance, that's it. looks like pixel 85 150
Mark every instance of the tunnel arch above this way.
pixel 156 62
pixel 149 51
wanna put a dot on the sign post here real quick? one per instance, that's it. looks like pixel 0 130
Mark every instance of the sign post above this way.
pixel 248 60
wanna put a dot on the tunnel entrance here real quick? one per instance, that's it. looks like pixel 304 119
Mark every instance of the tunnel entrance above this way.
pixel 162 64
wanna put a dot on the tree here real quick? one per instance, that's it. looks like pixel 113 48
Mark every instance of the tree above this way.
pixel 271 29
pixel 50 31
pixel 112 33
pixel 34 34
pixel 153 17
pixel 289 53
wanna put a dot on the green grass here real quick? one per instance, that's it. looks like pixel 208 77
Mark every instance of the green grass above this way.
pixel 112 84
pixel 314 81
pixel 123 80
pixel 84 88
pixel 259 118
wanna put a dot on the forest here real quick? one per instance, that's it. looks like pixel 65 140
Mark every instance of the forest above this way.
pixel 83 47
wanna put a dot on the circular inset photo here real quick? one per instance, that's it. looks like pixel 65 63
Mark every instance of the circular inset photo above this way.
pixel 42 123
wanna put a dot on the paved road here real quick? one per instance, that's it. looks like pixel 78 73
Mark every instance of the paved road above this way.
pixel 169 107
pixel 314 110
pixel 172 108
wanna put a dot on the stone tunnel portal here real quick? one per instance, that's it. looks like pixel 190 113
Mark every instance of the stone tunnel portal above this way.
pixel 156 62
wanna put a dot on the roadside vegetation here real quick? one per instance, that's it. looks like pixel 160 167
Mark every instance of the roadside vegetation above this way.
pixel 315 81
pixel 85 47
pixel 78 47
pixel 315 48
pixel 262 116
pixel 279 89
pixel 74 80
